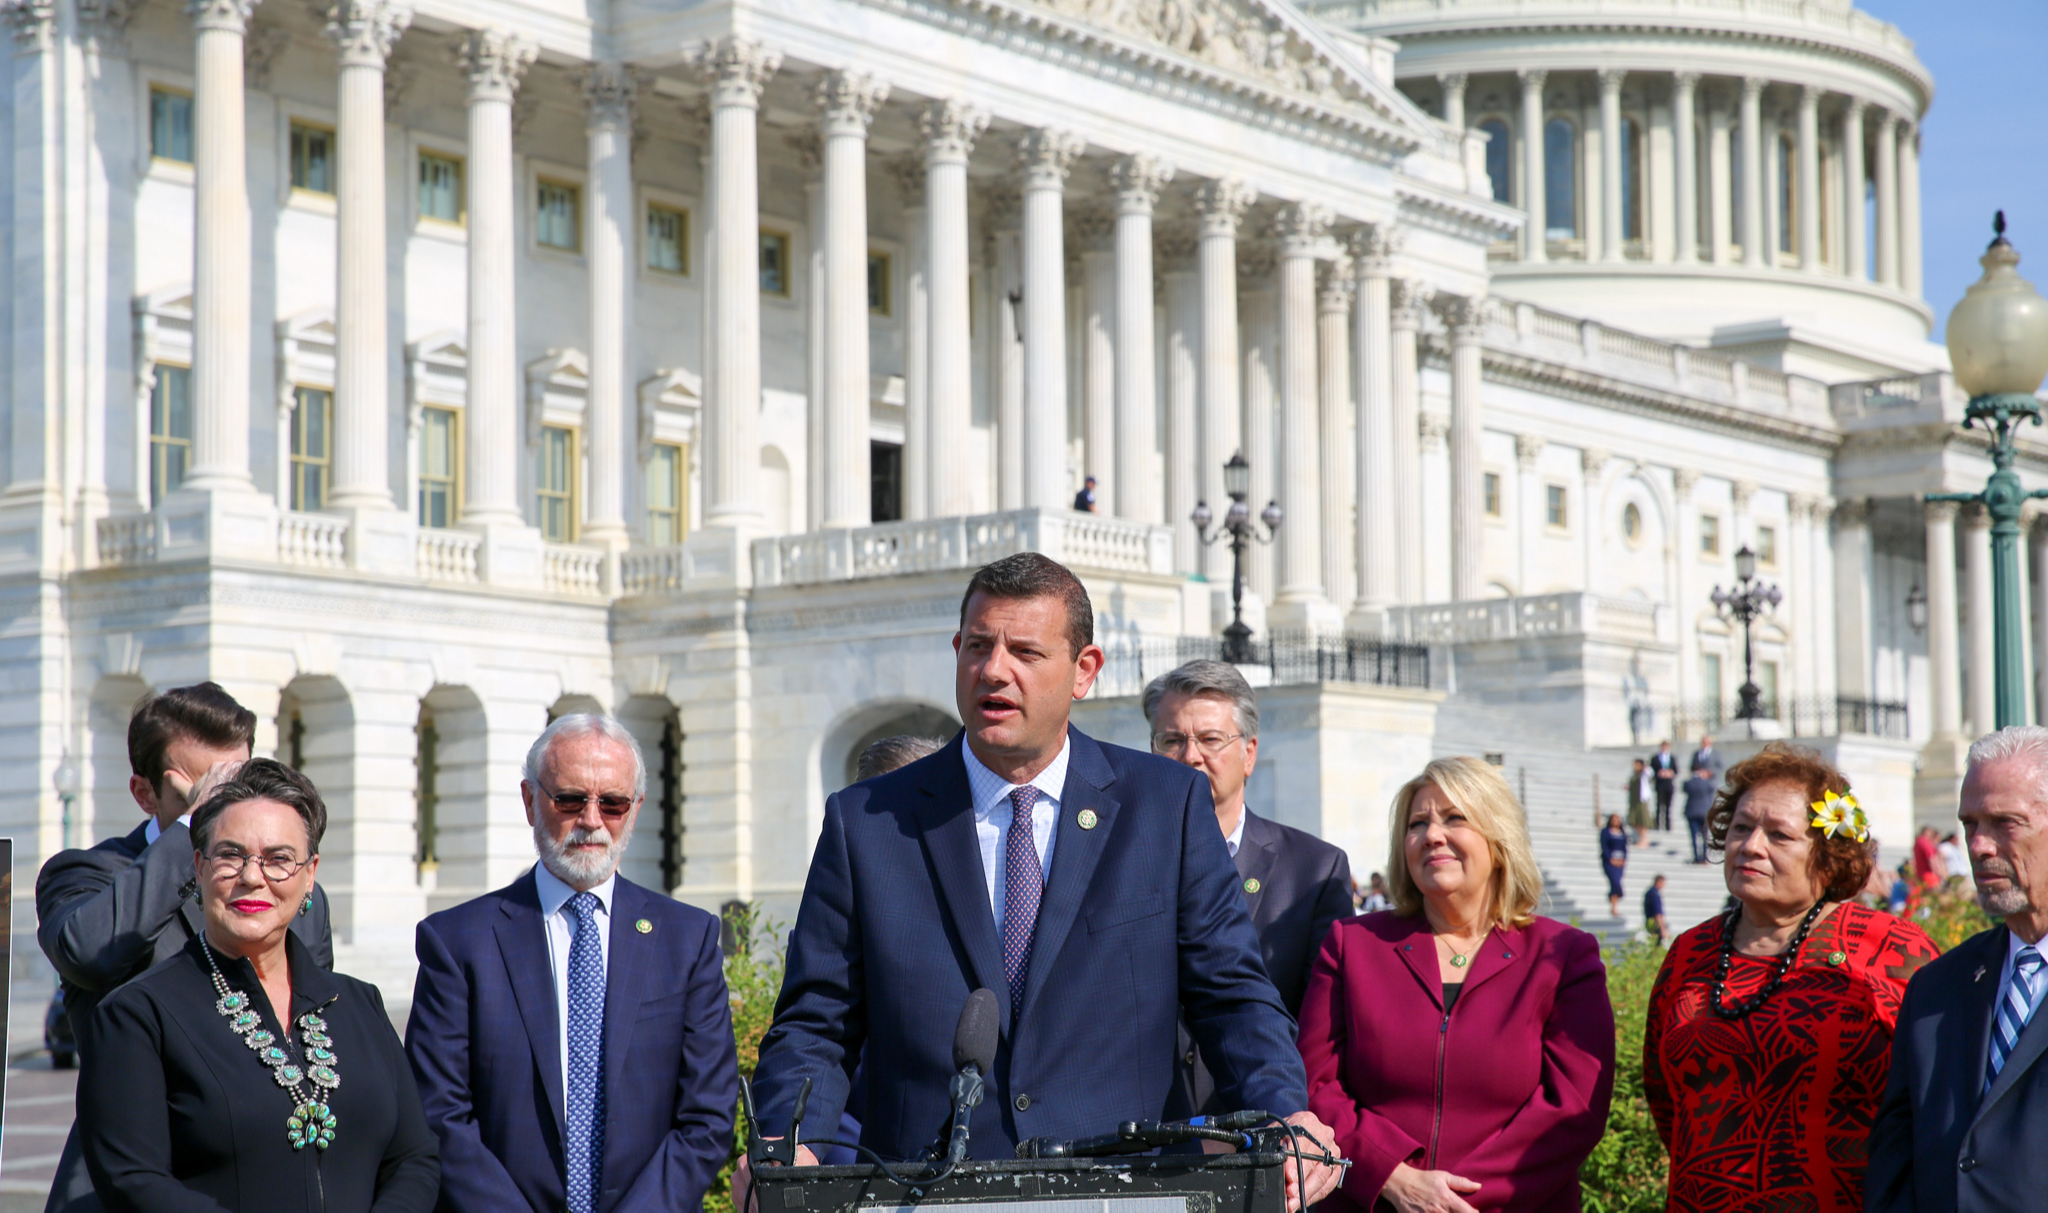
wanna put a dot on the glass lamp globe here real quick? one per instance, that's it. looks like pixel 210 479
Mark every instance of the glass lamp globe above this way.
pixel 1237 475
pixel 66 778
pixel 1202 517
pixel 1272 515
pixel 1998 334
pixel 1745 563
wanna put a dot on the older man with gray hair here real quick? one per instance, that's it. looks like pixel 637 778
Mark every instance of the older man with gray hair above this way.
pixel 1964 1123
pixel 1205 715
pixel 532 1000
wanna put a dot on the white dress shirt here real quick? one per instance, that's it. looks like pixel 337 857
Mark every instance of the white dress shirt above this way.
pixel 155 830
pixel 993 813
pixel 1236 837
pixel 560 923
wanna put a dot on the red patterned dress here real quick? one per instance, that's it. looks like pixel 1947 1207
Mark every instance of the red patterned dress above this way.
pixel 1770 1113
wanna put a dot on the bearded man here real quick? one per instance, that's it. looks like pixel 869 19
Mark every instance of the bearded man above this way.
pixel 532 1001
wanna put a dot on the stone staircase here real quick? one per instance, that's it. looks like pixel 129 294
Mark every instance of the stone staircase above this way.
pixel 1558 784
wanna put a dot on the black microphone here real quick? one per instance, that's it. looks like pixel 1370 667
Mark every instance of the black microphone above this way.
pixel 1250 1119
pixel 974 1057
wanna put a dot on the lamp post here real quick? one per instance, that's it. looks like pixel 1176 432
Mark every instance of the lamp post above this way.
pixel 65 780
pixel 1748 602
pixel 1237 523
pixel 1998 344
pixel 1916 608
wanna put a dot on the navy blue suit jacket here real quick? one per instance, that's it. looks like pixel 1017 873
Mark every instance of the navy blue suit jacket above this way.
pixel 1142 919
pixel 485 1046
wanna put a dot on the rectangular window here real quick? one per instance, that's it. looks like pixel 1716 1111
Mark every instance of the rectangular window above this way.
pixel 440 461
pixel 668 239
pixel 555 483
pixel 667 502
pixel 312 446
pixel 1767 687
pixel 441 188
pixel 885 481
pixel 170 430
pixel 312 158
pixel 1491 492
pixel 1767 546
pixel 775 263
pixel 557 221
pixel 1710 535
pixel 879 268
pixel 1553 505
pixel 1710 687
pixel 170 125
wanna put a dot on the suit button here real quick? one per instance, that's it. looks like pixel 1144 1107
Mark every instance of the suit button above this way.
pixel 1967 1165
pixel 1023 1103
pixel 1191 1057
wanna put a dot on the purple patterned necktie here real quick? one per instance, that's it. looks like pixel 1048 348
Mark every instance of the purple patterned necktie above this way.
pixel 1023 882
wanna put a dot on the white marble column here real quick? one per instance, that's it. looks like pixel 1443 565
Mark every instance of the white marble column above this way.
pixel 1909 208
pixel 221 281
pixel 1756 238
pixel 1610 163
pixel 1093 229
pixel 1944 649
pixel 1005 222
pixel 1182 288
pixel 1465 316
pixel 363 31
pixel 809 146
pixel 1821 574
pixel 1528 511
pixel 1808 144
pixel 1137 181
pixel 1592 466
pixel 1260 312
pixel 1852 577
pixel 1375 553
pixel 1043 157
pixel 1800 594
pixel 1406 300
pixel 846 104
pixel 1533 247
pixel 1979 637
pixel 1453 86
pixel 1720 184
pixel 609 212
pixel 949 129
pixel 915 308
pixel 1854 180
pixel 1685 153
pixel 493 61
pixel 1886 188
pixel 1335 426
pixel 1300 603
pixel 1219 433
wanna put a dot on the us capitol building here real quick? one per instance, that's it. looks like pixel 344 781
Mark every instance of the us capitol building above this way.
pixel 420 373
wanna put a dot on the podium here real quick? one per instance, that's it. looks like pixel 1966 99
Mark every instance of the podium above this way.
pixel 1171 1183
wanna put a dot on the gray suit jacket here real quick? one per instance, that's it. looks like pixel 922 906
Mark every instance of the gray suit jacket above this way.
pixel 108 914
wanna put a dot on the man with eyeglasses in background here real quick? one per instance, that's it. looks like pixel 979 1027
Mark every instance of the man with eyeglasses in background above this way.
pixel 1205 715
pixel 531 1000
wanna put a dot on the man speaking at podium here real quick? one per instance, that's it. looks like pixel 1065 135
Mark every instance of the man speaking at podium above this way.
pixel 1085 884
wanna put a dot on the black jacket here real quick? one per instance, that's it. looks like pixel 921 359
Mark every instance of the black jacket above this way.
pixel 1942 1143
pixel 177 1114
pixel 1295 885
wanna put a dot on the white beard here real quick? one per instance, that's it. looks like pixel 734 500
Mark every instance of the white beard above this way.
pixel 578 869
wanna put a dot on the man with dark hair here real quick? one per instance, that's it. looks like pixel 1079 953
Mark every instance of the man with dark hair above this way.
pixel 106 914
pixel 889 753
pixel 1086 885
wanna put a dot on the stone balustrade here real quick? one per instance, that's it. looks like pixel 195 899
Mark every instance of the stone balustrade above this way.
pixel 1841 21
pixel 1084 541
pixel 447 556
pixel 313 541
pixel 575 571
pixel 1568 614
pixel 127 539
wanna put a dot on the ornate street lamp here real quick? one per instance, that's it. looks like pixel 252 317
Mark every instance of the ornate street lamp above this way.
pixel 1748 602
pixel 1916 608
pixel 1237 523
pixel 65 779
pixel 1998 344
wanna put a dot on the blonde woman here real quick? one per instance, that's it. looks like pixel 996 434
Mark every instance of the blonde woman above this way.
pixel 1461 1048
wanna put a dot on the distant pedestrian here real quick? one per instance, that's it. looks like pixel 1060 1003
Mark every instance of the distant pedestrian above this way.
pixel 1640 793
pixel 1084 501
pixel 1699 798
pixel 1614 858
pixel 1902 888
pixel 1664 765
pixel 1955 866
pixel 1655 925
pixel 1375 898
pixel 1709 757
pixel 1928 871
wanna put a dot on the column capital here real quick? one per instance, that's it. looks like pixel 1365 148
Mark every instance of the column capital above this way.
pixel 1938 513
pixel 847 102
pixel 1823 509
pixel 1333 288
pixel 1003 208
pixel 1094 224
pixel 229 15
pixel 494 61
pixel 1886 121
pixel 1741 493
pixel 1800 505
pixel 32 21
pixel 1853 109
pixel 1255 262
pixel 364 31
pixel 1685 82
pixel 1372 246
pixel 1532 78
pixel 1045 156
pixel 1611 79
pixel 737 69
pixel 1810 95
pixel 1592 459
pixel 1975 516
pixel 609 90
pixel 1464 314
pixel 1527 448
pixel 1176 247
pixel 1137 181
pixel 1753 87
pixel 950 128
pixel 809 147
pixel 1452 80
pixel 1300 227
pixel 1431 428
pixel 1406 300
pixel 908 172
pixel 1222 203
pixel 1684 481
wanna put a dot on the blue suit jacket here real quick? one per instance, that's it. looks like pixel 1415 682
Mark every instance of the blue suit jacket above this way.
pixel 1142 918
pixel 484 1043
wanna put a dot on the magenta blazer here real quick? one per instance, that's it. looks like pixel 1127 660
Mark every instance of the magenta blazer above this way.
pixel 1509 1090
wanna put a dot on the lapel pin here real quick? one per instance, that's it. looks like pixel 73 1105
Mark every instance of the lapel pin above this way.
pixel 1251 884
pixel 1980 974
pixel 643 926
pixel 1087 819
pixel 1838 959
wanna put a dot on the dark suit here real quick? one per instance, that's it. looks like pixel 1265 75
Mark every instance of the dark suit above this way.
pixel 1295 885
pixel 106 915
pixel 1664 776
pixel 1709 759
pixel 1142 918
pixel 485 1044
pixel 1941 1142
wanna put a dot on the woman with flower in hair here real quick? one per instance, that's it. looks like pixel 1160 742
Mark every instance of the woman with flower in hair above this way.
pixel 1770 1029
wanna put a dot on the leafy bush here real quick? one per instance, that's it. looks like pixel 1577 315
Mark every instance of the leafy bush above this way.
pixel 1627 1170
pixel 753 978
pixel 1949 914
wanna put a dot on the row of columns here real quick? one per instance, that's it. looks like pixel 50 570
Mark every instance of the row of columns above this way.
pixel 1960 619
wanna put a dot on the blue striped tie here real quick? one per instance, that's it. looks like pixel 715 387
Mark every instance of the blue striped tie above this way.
pixel 2017 1008
pixel 583 1152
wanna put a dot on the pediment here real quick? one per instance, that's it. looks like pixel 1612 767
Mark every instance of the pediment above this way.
pixel 167 303
pixel 446 348
pixel 315 327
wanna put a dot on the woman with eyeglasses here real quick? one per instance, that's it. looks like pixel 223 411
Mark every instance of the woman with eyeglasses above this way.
pixel 239 1074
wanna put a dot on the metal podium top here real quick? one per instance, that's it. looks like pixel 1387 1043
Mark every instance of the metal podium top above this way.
pixel 1174 1183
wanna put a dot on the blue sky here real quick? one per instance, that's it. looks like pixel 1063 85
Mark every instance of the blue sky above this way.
pixel 1985 141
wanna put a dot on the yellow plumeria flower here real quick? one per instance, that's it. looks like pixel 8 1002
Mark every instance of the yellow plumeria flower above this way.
pixel 1834 814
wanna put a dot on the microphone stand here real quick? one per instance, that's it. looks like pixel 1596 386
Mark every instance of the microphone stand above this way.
pixel 967 1089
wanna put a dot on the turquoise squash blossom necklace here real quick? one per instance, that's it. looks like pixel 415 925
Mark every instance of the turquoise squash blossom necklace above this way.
pixel 312 1121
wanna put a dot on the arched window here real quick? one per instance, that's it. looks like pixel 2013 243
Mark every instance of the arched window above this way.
pixel 1788 193
pixel 1560 180
pixel 1631 180
pixel 1498 158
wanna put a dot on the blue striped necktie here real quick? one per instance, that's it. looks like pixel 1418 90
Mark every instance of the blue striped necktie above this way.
pixel 583 1152
pixel 2015 1009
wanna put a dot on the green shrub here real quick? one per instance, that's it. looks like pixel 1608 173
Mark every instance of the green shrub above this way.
pixel 1949 914
pixel 1627 1170
pixel 753 978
